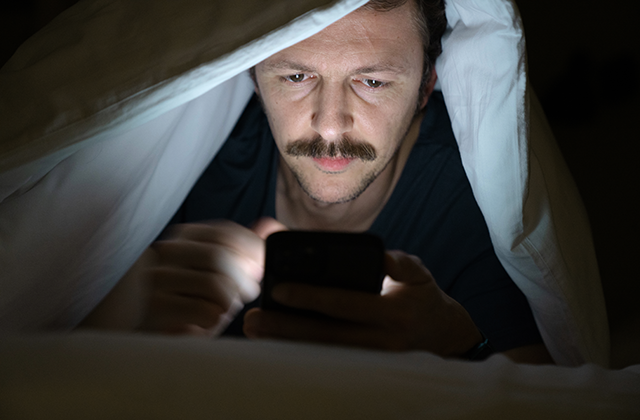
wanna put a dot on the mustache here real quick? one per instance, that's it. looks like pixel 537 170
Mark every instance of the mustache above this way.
pixel 344 148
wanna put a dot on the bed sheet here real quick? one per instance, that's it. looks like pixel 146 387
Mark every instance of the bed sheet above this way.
pixel 91 376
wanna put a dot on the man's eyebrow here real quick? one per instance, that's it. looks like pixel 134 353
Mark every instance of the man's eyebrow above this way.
pixel 382 68
pixel 287 65
pixel 376 68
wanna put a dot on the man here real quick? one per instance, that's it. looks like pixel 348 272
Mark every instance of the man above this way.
pixel 362 145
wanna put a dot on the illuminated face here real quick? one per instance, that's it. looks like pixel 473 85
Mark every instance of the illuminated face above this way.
pixel 341 102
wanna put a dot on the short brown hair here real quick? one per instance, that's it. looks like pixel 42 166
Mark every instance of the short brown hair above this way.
pixel 431 21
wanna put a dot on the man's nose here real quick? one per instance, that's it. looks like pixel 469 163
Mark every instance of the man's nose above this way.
pixel 332 116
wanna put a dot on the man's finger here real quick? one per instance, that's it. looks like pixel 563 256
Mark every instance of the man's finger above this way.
pixel 169 312
pixel 226 233
pixel 271 324
pixel 188 254
pixel 354 306
pixel 405 268
pixel 218 289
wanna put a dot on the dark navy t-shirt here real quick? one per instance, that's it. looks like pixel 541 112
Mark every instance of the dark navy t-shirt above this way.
pixel 431 213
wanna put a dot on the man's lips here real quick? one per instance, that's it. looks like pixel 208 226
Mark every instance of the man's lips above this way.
pixel 333 164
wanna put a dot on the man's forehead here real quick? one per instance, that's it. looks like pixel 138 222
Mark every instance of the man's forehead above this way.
pixel 365 41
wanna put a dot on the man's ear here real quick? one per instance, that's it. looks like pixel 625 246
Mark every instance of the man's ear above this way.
pixel 428 87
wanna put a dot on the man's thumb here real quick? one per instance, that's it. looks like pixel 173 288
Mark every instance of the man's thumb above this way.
pixel 265 226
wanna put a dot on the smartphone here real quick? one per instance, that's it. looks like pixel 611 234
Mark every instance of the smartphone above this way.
pixel 352 261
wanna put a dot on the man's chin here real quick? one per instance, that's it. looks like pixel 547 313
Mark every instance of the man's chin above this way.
pixel 325 196
pixel 333 188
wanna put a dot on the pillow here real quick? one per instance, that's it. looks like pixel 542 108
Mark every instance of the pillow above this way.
pixel 92 170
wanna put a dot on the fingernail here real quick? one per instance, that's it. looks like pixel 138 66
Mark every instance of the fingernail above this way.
pixel 251 326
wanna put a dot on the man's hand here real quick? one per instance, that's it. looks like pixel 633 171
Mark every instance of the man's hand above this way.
pixel 412 313
pixel 203 274
pixel 193 282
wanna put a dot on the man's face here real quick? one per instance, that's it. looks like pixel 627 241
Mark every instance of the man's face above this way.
pixel 341 102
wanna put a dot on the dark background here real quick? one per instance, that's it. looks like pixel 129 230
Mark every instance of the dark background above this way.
pixel 584 63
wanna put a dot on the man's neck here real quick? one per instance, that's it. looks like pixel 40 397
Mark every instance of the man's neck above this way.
pixel 297 210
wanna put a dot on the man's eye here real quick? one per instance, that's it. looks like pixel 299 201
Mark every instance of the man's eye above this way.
pixel 295 78
pixel 372 83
